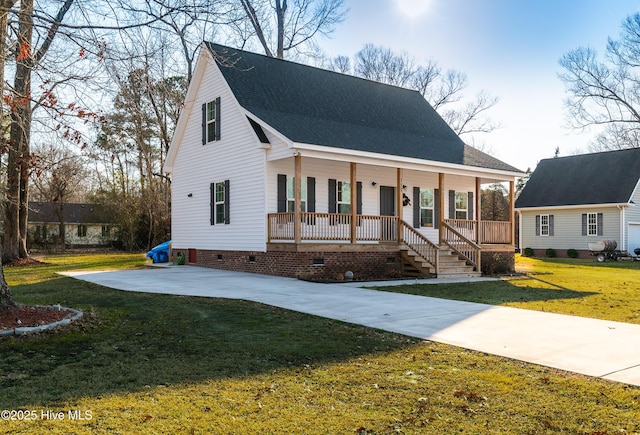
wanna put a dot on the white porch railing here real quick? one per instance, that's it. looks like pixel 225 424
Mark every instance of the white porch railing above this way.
pixel 489 232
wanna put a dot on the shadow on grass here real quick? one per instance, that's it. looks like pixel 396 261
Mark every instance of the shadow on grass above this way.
pixel 127 341
pixel 491 292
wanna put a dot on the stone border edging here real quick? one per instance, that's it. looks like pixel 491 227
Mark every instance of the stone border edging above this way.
pixel 30 329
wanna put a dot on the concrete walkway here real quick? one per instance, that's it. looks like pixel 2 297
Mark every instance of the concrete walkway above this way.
pixel 610 350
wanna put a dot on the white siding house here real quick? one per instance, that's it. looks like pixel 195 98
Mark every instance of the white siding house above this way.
pixel 282 168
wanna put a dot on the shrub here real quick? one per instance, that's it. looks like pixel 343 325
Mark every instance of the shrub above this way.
pixel 528 252
pixel 572 253
pixel 550 252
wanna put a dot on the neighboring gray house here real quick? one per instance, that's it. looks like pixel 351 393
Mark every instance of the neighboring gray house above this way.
pixel 84 225
pixel 286 169
pixel 572 201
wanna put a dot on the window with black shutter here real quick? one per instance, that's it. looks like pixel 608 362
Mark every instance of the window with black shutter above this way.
pixel 211 121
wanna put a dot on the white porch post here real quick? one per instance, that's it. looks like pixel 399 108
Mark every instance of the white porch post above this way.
pixel 297 216
pixel 354 202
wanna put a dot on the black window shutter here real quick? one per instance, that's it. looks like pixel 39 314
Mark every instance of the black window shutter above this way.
pixel 416 207
pixel 436 208
pixel 212 204
pixel 226 202
pixel 359 197
pixel 217 132
pixel 584 224
pixel 470 202
pixel 332 195
pixel 282 193
pixel 204 123
pixel 551 225
pixel 600 219
pixel 452 204
pixel 537 225
pixel 311 194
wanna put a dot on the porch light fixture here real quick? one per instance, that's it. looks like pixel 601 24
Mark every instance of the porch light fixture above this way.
pixel 189 195
pixel 374 184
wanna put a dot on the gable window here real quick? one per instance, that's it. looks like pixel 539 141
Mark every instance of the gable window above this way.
pixel 211 121
pixel 219 202
pixel 291 197
pixel 106 231
pixel 426 207
pixel 82 230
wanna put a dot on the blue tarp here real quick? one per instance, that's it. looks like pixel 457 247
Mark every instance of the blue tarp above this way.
pixel 160 253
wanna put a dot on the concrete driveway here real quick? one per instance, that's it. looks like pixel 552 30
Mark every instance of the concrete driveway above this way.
pixel 610 350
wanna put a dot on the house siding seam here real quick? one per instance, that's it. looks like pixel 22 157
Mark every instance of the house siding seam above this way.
pixel 364 265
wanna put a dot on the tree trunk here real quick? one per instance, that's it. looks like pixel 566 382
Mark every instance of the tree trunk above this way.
pixel 6 301
pixel 19 138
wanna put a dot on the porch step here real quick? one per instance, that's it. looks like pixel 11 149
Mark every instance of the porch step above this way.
pixel 413 265
pixel 450 265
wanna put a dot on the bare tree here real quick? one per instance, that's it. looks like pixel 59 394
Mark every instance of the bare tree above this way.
pixel 443 90
pixel 383 65
pixel 282 26
pixel 605 93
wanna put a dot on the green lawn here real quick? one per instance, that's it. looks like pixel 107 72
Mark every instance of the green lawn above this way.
pixel 580 287
pixel 154 364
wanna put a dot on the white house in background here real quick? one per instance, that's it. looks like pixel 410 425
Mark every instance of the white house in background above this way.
pixel 83 225
pixel 282 168
pixel 572 201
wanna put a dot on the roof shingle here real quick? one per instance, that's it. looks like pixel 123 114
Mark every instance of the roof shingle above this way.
pixel 315 106
pixel 598 178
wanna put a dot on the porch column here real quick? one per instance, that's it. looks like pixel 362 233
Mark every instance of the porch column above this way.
pixel 512 216
pixel 354 203
pixel 440 216
pixel 478 209
pixel 297 215
pixel 399 201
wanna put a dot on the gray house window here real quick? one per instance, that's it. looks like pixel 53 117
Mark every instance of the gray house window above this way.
pixel 592 224
pixel 544 225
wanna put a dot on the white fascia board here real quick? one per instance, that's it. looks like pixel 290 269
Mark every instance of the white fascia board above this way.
pixel 388 160
pixel 570 207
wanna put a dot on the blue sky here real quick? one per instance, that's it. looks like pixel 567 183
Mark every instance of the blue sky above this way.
pixel 510 48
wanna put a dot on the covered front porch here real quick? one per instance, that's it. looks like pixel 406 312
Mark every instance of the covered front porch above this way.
pixel 432 243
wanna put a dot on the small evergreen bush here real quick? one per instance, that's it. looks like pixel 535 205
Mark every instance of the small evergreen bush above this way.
pixel 528 252
pixel 572 253
pixel 550 252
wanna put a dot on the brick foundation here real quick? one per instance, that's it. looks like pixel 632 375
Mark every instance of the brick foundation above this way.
pixel 305 265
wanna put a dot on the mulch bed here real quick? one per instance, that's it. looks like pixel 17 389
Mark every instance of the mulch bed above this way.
pixel 31 316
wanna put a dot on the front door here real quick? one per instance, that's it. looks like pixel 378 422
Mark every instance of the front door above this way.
pixel 388 208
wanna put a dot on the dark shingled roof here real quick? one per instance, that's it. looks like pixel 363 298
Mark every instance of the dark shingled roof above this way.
pixel 315 106
pixel 599 178
pixel 46 212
